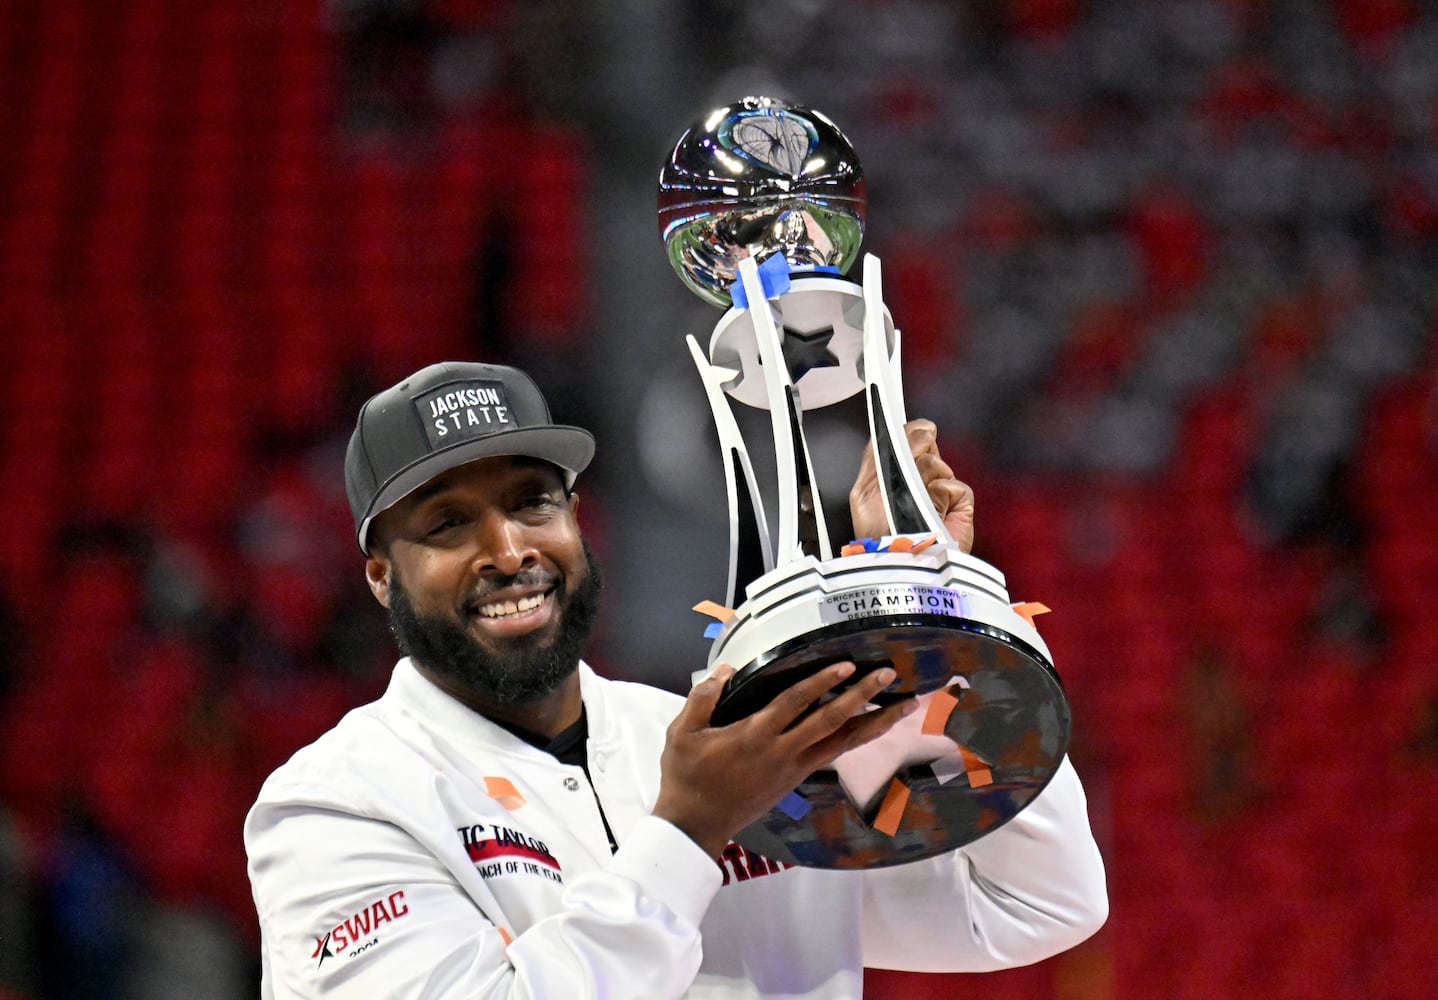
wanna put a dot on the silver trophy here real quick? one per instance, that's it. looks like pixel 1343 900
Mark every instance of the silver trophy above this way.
pixel 761 208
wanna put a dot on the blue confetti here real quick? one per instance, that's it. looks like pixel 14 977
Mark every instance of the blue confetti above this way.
pixel 795 806
pixel 713 629
pixel 773 276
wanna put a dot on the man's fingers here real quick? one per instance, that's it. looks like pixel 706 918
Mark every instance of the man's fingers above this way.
pixel 959 513
pixel 932 467
pixel 699 706
pixel 853 701
pixel 866 506
pixel 858 731
pixel 950 495
pixel 923 437
pixel 837 713
pixel 867 469
pixel 954 500
pixel 780 713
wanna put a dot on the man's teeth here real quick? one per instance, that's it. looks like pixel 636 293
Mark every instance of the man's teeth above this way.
pixel 500 609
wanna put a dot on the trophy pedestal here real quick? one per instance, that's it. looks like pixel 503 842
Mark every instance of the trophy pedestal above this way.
pixel 991 731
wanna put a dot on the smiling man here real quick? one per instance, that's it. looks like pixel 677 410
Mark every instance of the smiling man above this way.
pixel 504 822
pixel 493 640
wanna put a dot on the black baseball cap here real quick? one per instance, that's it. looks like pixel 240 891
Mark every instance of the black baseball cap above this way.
pixel 442 417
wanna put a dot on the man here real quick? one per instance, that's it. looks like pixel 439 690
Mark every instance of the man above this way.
pixel 505 823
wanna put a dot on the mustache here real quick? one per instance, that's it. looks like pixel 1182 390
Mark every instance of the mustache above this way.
pixel 533 577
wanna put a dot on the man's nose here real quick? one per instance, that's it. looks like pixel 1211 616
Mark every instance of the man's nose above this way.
pixel 503 546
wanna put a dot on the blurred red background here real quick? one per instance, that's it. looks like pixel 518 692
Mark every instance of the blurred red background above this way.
pixel 1186 273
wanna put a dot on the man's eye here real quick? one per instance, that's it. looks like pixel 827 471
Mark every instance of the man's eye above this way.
pixel 539 501
pixel 444 525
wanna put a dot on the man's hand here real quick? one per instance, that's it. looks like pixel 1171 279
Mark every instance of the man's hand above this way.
pixel 953 499
pixel 717 780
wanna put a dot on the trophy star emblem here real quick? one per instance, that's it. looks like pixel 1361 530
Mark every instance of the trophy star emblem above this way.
pixel 805 351
pixel 778 142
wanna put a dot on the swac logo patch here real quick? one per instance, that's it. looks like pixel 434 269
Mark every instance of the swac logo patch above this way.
pixel 322 949
pixel 361 931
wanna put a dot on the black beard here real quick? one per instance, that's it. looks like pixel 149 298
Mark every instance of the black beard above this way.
pixel 514 672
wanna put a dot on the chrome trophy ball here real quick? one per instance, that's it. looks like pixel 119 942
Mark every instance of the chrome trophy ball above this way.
pixel 756 178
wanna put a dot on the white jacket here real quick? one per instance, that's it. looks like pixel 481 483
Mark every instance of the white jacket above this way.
pixel 419 850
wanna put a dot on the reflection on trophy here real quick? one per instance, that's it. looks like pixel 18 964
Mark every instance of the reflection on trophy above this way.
pixel 761 208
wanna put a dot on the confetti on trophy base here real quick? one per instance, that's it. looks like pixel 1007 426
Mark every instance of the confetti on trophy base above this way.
pixel 991 731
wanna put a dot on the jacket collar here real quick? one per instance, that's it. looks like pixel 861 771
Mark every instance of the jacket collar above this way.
pixel 414 695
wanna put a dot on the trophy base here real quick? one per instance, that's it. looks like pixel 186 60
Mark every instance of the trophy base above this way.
pixel 992 729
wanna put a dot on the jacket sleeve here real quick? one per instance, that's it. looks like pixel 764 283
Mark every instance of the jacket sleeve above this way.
pixel 1029 890
pixel 351 906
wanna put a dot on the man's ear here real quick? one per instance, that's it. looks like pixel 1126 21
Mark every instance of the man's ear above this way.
pixel 376 572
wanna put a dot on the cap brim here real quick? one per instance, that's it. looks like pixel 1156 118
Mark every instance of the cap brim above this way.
pixel 570 448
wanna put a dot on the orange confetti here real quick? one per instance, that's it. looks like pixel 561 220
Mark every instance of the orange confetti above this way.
pixel 940 708
pixel 508 937
pixel 892 808
pixel 979 772
pixel 714 610
pixel 502 790
pixel 921 546
pixel 901 544
pixel 1030 609
pixel 853 549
